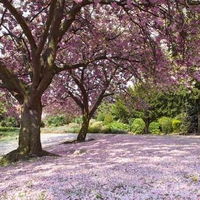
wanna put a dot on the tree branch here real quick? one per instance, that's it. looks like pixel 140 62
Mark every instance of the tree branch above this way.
pixel 12 83
pixel 21 22
pixel 47 27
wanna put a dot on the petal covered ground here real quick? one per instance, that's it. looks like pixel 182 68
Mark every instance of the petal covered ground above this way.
pixel 113 167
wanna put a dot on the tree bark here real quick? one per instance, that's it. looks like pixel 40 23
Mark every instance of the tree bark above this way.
pixel 84 128
pixel 29 135
pixel 146 131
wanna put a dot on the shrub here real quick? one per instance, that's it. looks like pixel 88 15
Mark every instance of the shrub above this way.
pixel 77 120
pixel 165 124
pixel 95 127
pixel 108 119
pixel 9 122
pixel 73 125
pixel 105 129
pixel 72 128
pixel 154 128
pixel 101 112
pixel 118 127
pixel 176 125
pixel 55 121
pixel 185 122
pixel 138 126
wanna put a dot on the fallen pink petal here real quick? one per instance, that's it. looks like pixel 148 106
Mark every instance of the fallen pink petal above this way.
pixel 110 167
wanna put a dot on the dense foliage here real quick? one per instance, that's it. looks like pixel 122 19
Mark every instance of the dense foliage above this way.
pixel 138 126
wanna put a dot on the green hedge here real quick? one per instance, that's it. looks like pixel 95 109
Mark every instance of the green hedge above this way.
pixel 113 127
pixel 95 127
pixel 55 121
pixel 108 119
pixel 176 125
pixel 9 122
pixel 154 128
pixel 138 126
pixel 165 124
pixel 118 127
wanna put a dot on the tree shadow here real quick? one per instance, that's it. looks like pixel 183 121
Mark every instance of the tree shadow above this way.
pixel 113 165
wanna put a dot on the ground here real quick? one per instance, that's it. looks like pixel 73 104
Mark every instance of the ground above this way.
pixel 113 167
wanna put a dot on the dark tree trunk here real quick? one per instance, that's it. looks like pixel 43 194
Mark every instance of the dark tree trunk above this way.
pixel 147 122
pixel 84 128
pixel 146 131
pixel 29 135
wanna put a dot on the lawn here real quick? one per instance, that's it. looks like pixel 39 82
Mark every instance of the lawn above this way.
pixel 7 135
pixel 123 167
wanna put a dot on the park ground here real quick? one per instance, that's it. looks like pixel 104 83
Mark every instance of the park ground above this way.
pixel 112 167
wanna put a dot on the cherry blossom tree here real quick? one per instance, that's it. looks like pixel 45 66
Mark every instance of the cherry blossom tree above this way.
pixel 92 82
pixel 35 36
pixel 30 34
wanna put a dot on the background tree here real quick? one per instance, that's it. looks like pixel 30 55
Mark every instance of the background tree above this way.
pixel 150 104
pixel 142 56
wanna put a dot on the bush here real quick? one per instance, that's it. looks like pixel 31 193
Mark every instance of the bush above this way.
pixel 185 122
pixel 101 112
pixel 154 128
pixel 95 127
pixel 55 121
pixel 77 120
pixel 9 122
pixel 138 126
pixel 118 127
pixel 105 129
pixel 72 128
pixel 92 121
pixel 176 125
pixel 165 124
pixel 108 119
pixel 73 125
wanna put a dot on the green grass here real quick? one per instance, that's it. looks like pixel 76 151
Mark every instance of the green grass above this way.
pixel 4 135
pixel 60 129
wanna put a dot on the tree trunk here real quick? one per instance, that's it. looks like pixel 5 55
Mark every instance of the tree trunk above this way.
pixel 147 122
pixel 29 135
pixel 146 131
pixel 84 128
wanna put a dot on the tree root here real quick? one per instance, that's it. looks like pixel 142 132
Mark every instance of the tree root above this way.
pixel 16 155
